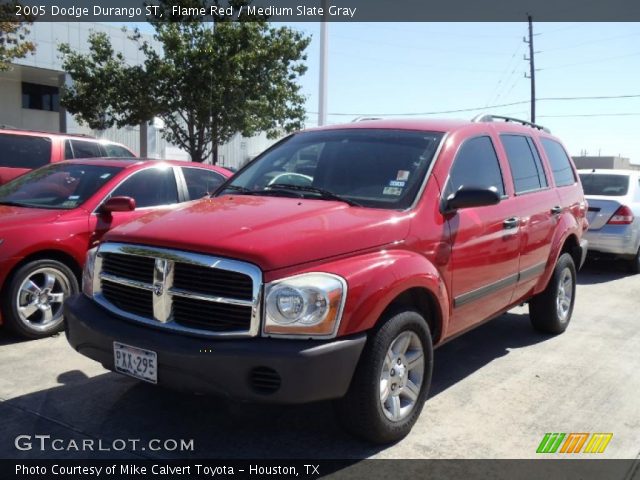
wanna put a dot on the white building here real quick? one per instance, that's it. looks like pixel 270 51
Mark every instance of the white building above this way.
pixel 29 94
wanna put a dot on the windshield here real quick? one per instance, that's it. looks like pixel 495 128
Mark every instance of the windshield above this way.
pixel 60 186
pixel 603 184
pixel 364 167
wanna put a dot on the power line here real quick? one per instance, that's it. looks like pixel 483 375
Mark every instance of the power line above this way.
pixel 623 114
pixel 597 60
pixel 462 110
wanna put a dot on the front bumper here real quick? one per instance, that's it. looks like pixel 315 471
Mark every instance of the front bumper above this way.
pixel 308 370
pixel 614 239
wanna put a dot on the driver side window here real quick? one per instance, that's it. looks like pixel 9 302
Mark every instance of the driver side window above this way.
pixel 476 165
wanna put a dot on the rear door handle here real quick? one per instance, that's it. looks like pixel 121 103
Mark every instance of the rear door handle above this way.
pixel 556 210
pixel 510 223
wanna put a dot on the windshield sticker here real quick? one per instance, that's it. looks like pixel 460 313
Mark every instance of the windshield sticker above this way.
pixel 403 175
pixel 397 183
pixel 392 191
pixel 68 203
pixel 105 175
pixel 74 197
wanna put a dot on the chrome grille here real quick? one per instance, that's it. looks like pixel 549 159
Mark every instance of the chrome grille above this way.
pixel 131 267
pixel 176 290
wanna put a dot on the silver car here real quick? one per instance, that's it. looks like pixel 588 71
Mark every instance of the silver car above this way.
pixel 614 213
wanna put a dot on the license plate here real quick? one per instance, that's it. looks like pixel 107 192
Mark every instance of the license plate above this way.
pixel 136 362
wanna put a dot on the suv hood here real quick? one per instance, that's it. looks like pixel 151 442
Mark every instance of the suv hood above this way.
pixel 271 232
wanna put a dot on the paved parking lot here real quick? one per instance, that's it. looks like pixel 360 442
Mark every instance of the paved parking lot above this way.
pixel 496 391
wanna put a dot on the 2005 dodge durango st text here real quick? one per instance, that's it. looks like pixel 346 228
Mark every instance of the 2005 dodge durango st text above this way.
pixel 331 265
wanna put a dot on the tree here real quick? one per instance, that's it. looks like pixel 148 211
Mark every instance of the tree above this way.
pixel 13 43
pixel 209 82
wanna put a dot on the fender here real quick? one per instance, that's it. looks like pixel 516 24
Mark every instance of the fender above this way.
pixel 375 279
pixel 567 226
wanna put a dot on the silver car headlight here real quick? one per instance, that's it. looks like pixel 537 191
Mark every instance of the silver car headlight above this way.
pixel 307 305
pixel 88 272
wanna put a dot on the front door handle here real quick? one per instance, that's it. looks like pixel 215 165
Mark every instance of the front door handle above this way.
pixel 557 210
pixel 510 223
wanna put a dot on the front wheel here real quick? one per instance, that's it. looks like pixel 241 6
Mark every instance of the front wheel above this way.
pixel 391 382
pixel 32 304
pixel 550 311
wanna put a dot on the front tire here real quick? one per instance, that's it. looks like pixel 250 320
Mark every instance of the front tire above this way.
pixel 550 311
pixel 32 302
pixel 391 382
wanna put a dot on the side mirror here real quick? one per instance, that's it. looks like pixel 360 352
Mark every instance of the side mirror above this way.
pixel 467 197
pixel 118 204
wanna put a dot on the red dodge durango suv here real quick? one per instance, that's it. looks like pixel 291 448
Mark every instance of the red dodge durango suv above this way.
pixel 331 266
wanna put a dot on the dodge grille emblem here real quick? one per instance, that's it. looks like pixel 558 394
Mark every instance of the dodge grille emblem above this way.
pixel 157 289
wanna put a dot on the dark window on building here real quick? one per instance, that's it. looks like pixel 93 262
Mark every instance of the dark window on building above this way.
pixel 476 165
pixel 150 188
pixel 40 97
pixel 526 168
pixel 24 151
pixel 201 182
pixel 84 149
pixel 560 163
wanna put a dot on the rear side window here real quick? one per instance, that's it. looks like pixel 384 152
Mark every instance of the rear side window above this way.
pixel 476 165
pixel 560 163
pixel 83 149
pixel 116 151
pixel 604 184
pixel 24 151
pixel 201 182
pixel 526 168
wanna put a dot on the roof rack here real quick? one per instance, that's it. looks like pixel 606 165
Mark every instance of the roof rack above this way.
pixel 11 127
pixel 485 117
pixel 365 118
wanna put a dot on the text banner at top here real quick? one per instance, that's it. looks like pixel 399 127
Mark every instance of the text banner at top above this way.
pixel 327 10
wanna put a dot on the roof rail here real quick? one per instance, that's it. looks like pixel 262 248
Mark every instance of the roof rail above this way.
pixel 365 118
pixel 486 117
pixel 11 127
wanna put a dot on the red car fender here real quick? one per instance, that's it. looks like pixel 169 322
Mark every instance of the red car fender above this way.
pixel 375 279
pixel 567 226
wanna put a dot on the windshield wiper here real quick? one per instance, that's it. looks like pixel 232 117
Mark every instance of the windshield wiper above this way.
pixel 323 194
pixel 248 191
pixel 9 203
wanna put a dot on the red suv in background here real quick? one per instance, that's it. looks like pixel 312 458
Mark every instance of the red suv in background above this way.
pixel 331 265
pixel 24 150
pixel 51 216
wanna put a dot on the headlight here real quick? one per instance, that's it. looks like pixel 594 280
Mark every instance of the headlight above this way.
pixel 306 305
pixel 87 273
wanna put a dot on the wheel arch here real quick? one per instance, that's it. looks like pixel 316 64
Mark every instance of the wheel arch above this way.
pixel 424 302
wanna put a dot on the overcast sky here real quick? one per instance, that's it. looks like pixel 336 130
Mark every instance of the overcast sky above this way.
pixel 407 68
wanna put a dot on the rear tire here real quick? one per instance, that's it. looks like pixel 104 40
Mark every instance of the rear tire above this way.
pixel 550 311
pixel 391 382
pixel 32 301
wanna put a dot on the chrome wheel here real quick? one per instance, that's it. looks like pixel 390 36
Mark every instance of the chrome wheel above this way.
pixel 402 376
pixel 565 295
pixel 40 297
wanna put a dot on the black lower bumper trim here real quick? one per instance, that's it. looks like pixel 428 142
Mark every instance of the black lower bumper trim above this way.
pixel 308 370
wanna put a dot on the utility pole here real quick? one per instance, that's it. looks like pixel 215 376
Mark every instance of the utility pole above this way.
pixel 322 94
pixel 532 69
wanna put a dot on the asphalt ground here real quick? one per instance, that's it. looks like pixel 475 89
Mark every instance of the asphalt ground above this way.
pixel 496 391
